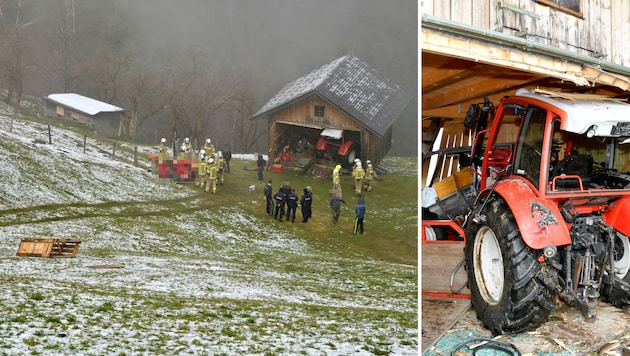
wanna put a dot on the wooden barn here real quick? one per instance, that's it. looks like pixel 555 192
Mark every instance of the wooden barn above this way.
pixel 105 118
pixel 471 49
pixel 345 103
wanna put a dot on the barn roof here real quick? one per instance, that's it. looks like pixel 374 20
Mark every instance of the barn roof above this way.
pixel 354 87
pixel 83 103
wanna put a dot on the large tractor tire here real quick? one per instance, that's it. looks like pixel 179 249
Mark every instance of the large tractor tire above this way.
pixel 350 156
pixel 621 266
pixel 504 275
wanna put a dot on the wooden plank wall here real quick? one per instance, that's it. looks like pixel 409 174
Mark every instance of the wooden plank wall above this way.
pixel 602 29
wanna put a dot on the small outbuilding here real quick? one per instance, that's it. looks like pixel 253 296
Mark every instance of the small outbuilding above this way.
pixel 343 110
pixel 105 118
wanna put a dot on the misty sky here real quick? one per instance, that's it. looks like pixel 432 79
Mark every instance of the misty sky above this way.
pixel 259 44
pixel 276 41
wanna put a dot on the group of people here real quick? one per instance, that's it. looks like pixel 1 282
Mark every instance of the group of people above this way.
pixel 212 165
pixel 281 205
pixel 285 202
pixel 363 179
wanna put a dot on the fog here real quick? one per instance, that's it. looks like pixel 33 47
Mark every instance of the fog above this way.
pixel 256 46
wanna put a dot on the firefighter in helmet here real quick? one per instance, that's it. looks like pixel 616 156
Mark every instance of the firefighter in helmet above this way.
pixel 209 148
pixel 186 146
pixel 212 175
pixel 369 176
pixel 336 177
pixel 163 147
pixel 220 166
pixel 358 174
pixel 203 169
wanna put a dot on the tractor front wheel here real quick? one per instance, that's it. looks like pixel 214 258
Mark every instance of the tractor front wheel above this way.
pixel 504 275
pixel 351 155
pixel 615 292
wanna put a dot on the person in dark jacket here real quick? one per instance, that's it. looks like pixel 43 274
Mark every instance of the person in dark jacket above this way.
pixel 227 154
pixel 359 212
pixel 306 202
pixel 261 165
pixel 280 201
pixel 292 202
pixel 268 191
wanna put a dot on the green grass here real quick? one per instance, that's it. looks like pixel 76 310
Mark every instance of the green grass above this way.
pixel 322 288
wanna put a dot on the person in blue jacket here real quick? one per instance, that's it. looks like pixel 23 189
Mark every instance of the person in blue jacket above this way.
pixel 359 211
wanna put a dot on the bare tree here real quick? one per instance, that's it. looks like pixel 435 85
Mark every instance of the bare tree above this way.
pixel 144 98
pixel 195 98
pixel 14 51
pixel 63 40
pixel 246 132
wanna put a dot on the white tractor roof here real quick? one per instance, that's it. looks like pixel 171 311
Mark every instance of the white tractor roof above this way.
pixel 332 133
pixel 579 113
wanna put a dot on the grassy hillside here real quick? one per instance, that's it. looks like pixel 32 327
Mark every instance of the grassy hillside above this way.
pixel 203 273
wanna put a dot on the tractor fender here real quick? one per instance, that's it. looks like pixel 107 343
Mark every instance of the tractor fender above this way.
pixel 539 220
pixel 343 150
pixel 617 215
pixel 321 144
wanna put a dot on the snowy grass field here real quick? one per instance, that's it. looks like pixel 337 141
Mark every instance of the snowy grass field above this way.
pixel 199 274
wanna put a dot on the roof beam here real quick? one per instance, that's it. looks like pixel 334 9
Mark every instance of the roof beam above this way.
pixel 478 89
pixel 489 53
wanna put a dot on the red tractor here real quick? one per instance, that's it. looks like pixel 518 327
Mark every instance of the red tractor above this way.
pixel 547 211
pixel 334 145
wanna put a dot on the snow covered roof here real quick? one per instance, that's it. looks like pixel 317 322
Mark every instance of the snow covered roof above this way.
pixel 83 103
pixel 354 87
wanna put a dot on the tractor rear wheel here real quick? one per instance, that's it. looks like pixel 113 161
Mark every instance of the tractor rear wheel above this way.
pixel 504 276
pixel 615 293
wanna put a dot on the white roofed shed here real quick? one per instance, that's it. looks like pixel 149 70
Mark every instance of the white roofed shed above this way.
pixel 104 117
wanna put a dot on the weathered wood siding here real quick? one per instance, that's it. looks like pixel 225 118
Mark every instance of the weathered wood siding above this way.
pixel 302 113
pixel 599 32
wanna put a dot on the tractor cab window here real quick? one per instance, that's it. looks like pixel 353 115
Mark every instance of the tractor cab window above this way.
pixel 529 149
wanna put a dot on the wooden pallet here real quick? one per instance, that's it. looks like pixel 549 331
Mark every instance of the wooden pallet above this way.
pixel 48 247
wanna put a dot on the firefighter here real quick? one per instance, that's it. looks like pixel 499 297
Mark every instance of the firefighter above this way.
pixel 186 146
pixel 336 177
pixel 163 148
pixel 292 202
pixel 220 165
pixel 280 200
pixel 211 175
pixel 358 174
pixel 369 176
pixel 209 148
pixel 203 170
